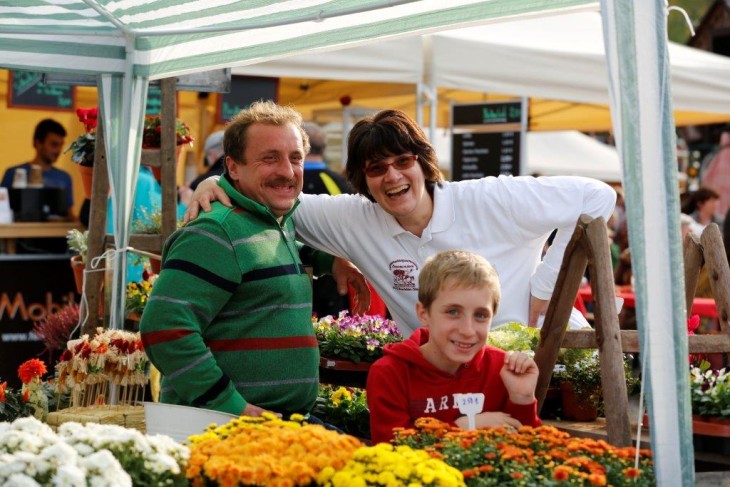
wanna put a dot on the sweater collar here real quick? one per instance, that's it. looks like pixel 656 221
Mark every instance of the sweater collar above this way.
pixel 250 205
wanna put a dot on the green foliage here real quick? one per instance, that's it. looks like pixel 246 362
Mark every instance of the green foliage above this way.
pixel 78 242
pixel 12 405
pixel 514 337
pixel 344 407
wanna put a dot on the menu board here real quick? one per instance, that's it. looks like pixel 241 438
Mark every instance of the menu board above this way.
pixel 27 90
pixel 244 91
pixel 486 139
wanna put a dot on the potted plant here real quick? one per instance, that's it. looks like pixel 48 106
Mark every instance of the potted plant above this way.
pixel 345 408
pixel 353 342
pixel 78 242
pixel 151 137
pixel 83 146
pixel 137 295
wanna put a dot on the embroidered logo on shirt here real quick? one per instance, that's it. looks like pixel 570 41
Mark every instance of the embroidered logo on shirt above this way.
pixel 403 275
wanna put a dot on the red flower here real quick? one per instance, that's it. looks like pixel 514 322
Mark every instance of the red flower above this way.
pixel 88 117
pixel 31 369
pixel 3 386
pixel 693 322
pixel 632 472
pixel 26 395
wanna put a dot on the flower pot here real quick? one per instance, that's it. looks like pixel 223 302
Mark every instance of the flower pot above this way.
pixel 87 174
pixel 575 407
pixel 344 365
pixel 78 267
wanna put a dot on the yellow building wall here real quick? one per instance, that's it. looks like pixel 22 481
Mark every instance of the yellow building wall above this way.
pixel 17 125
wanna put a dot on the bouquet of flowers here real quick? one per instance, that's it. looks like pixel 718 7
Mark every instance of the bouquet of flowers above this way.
pixel 88 365
pixel 385 464
pixel 153 127
pixel 92 454
pixel 83 146
pixel 356 338
pixel 345 408
pixel 710 391
pixel 266 451
pixel 528 456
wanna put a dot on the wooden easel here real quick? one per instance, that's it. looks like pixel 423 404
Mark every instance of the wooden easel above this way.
pixel 589 246
pixel 98 240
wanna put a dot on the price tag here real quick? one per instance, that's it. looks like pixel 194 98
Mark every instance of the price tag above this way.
pixel 470 405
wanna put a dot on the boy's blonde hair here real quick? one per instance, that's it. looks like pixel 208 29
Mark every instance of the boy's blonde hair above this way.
pixel 265 112
pixel 463 269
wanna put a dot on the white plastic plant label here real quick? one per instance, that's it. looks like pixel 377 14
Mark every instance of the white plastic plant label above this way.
pixel 470 405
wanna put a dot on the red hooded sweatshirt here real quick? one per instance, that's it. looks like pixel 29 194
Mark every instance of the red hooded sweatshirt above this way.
pixel 403 386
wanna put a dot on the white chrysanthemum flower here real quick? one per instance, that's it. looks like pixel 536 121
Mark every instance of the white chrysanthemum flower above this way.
pixel 160 463
pixel 21 480
pixel 83 449
pixel 69 476
pixel 58 455
pixel 104 470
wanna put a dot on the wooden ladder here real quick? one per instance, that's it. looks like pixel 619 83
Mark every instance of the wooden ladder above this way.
pixel 98 239
pixel 589 247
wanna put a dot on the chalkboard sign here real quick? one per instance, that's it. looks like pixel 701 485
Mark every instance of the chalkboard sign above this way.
pixel 485 154
pixel 244 91
pixel 486 139
pixel 27 90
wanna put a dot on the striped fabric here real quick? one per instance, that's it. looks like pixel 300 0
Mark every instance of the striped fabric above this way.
pixel 229 319
pixel 163 38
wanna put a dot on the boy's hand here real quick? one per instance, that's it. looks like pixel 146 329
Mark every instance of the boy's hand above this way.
pixel 519 375
pixel 206 192
pixel 492 419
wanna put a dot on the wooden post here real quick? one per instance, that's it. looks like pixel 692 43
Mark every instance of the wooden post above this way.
pixel 559 309
pixel 608 334
pixel 693 262
pixel 717 267
pixel 168 153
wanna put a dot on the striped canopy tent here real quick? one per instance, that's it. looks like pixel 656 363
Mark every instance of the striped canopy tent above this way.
pixel 130 42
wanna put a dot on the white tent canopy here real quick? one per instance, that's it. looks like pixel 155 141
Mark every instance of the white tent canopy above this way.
pixel 560 57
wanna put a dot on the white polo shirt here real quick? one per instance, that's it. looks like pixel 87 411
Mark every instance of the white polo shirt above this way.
pixel 505 219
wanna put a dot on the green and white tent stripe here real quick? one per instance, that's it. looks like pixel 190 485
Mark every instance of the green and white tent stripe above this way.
pixel 636 47
pixel 163 38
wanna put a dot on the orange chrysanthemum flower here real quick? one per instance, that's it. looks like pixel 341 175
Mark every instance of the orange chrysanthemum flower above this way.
pixel 632 472
pixel 562 473
pixel 31 369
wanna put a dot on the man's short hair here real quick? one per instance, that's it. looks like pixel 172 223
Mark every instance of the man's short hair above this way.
pixel 316 138
pixel 48 126
pixel 264 112
pixel 457 268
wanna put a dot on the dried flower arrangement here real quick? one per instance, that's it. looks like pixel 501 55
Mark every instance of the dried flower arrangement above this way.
pixel 88 365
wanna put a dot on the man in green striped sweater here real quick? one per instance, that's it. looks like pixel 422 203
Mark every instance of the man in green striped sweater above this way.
pixel 229 320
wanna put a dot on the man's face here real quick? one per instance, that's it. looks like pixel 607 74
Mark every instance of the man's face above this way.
pixel 49 148
pixel 272 172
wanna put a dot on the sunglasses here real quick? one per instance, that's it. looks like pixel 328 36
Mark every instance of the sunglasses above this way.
pixel 401 163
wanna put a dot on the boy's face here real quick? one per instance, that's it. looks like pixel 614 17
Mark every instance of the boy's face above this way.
pixel 458 321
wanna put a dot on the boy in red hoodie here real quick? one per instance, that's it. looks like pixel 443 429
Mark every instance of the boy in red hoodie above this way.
pixel 458 294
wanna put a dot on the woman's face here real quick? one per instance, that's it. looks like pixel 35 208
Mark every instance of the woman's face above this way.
pixel 401 191
pixel 708 207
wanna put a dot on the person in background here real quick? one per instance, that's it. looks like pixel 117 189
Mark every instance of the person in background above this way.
pixel 458 295
pixel 48 139
pixel 716 174
pixel 213 158
pixel 405 212
pixel 701 206
pixel 229 320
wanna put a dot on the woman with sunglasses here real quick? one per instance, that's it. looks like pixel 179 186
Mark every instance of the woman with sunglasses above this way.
pixel 409 213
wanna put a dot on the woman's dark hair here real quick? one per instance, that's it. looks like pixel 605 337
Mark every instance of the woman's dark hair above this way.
pixel 388 133
pixel 691 203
